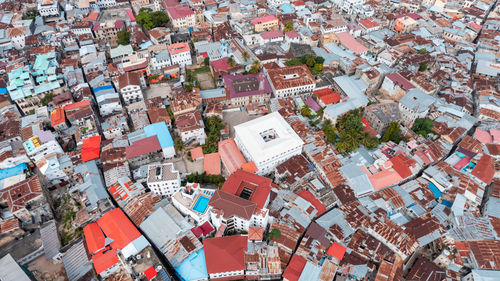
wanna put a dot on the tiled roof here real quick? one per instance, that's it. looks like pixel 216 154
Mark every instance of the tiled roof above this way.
pixel 232 205
pixel 241 180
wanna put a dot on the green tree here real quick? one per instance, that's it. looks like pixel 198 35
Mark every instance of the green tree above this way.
pixel 178 144
pixel 319 60
pixel 231 62
pixel 206 61
pixel 423 127
pixel 245 56
pixel 188 87
pixel 274 234
pixel 422 51
pixel 159 18
pixel 123 37
pixel 317 69
pixel 305 110
pixel 288 26
pixel 46 99
pixel 392 133
pixel 255 67
pixel 30 14
pixel 294 61
pixel 145 19
pixel 309 60
pixel 422 67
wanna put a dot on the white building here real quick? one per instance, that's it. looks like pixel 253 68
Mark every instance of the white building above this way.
pixel 192 201
pixel 129 84
pixel 48 8
pixel 191 127
pixel 349 6
pixel 180 54
pixel 267 141
pixel 163 179
pixel 37 147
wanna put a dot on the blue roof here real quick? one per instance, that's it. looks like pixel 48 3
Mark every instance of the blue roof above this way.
pixel 447 203
pixel 160 130
pixel 437 193
pixel 194 267
pixel 106 87
pixel 3 91
pixel 213 93
pixel 287 8
pixel 10 172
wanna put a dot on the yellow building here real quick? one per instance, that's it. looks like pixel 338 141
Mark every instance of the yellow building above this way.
pixel 265 23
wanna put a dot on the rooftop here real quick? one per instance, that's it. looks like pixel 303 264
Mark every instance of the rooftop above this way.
pixel 290 77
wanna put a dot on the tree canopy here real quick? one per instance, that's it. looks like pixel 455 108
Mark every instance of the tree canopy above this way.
pixel 123 37
pixel 348 134
pixel 213 126
pixel 149 19
pixel 314 63
pixel 392 133
pixel 288 26
pixel 206 179
pixel 423 127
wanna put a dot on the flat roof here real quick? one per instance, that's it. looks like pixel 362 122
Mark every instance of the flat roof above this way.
pixel 250 134
pixel 194 267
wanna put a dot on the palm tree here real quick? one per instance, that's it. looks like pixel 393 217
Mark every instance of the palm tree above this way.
pixel 245 56
pixel 231 62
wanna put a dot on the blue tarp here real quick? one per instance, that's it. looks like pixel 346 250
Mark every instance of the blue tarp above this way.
pixel 447 203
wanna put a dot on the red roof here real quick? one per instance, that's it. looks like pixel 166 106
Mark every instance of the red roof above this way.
pixel 336 250
pixel 223 254
pixel 368 23
pixel 485 169
pixel 197 231
pixel 103 261
pixel 130 15
pixel 292 34
pixel 271 34
pixel 211 164
pixel 264 19
pixel 309 197
pixel 327 96
pixel 260 186
pixel 93 237
pixel 141 147
pixel 230 155
pixel 400 81
pixel 462 163
pixel 91 148
pixel 294 268
pixel 119 228
pixel 197 153
pixel 220 64
pixel 57 116
pixel 249 167
pixel 179 11
pixel 206 228
pixel 401 163
pixel 76 105
pixel 150 273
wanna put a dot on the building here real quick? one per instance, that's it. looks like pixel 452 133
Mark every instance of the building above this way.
pixel 106 31
pixel 415 104
pixel 163 179
pixel 267 141
pixel 11 270
pixel 405 24
pixel 243 90
pixel 192 201
pixel 130 87
pixel 291 80
pixel 191 127
pixel 265 23
pixel 381 115
pixel 143 151
pixel 180 53
pixel 182 16
pixel 48 8
pixel 225 257
pixel 160 130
